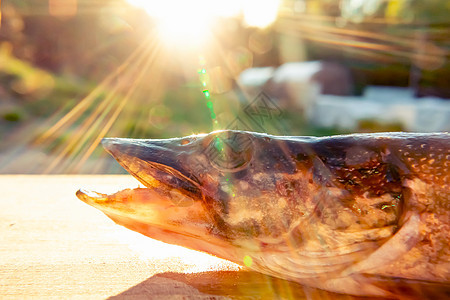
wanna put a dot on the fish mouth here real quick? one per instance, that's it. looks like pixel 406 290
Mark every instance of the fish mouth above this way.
pixel 170 207
pixel 157 167
pixel 154 164
pixel 165 213
pixel 146 211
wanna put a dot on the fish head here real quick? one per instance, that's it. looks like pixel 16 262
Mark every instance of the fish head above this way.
pixel 207 192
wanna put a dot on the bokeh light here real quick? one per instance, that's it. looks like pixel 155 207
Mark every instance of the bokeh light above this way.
pixel 62 8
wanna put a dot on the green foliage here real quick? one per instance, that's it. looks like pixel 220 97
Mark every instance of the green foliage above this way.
pixel 13 116
pixel 370 125
pixel 24 79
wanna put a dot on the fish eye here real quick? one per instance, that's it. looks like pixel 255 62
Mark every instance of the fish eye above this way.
pixel 230 151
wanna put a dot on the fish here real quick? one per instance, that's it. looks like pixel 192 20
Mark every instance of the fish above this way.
pixel 332 213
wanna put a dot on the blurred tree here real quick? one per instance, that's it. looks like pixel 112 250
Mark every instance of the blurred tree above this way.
pixel 73 44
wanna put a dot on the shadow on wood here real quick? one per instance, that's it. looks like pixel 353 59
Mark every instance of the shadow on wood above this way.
pixel 224 284
pixel 253 285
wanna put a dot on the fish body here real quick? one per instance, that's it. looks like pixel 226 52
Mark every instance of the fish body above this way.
pixel 331 212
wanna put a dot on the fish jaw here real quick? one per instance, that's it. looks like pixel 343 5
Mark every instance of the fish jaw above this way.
pixel 152 163
pixel 144 210
pixel 175 207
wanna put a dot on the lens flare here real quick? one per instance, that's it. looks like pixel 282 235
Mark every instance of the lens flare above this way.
pixel 260 13
pixel 190 22
pixel 186 25
pixel 180 22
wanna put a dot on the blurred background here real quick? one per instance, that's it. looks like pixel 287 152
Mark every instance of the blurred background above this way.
pixel 75 71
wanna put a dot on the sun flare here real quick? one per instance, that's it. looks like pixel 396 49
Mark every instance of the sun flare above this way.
pixel 179 22
pixel 190 22
pixel 260 13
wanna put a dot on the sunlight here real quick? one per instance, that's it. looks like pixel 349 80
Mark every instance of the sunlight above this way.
pixel 190 261
pixel 260 13
pixel 180 22
pixel 189 22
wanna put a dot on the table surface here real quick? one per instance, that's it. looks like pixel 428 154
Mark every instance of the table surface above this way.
pixel 54 246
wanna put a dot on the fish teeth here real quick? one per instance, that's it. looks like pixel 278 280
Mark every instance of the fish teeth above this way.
pixel 86 196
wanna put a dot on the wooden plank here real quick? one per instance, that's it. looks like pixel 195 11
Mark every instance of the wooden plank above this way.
pixel 54 246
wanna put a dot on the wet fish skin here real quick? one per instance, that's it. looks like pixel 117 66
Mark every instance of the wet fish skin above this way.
pixel 325 212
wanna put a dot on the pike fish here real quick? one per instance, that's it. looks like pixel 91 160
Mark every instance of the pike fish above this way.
pixel 331 213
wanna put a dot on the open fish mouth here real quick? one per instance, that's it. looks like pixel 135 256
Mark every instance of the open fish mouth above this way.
pixel 162 213
pixel 162 182
pixel 170 207
pixel 151 164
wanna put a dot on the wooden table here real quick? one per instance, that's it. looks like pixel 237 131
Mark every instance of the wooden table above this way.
pixel 54 246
